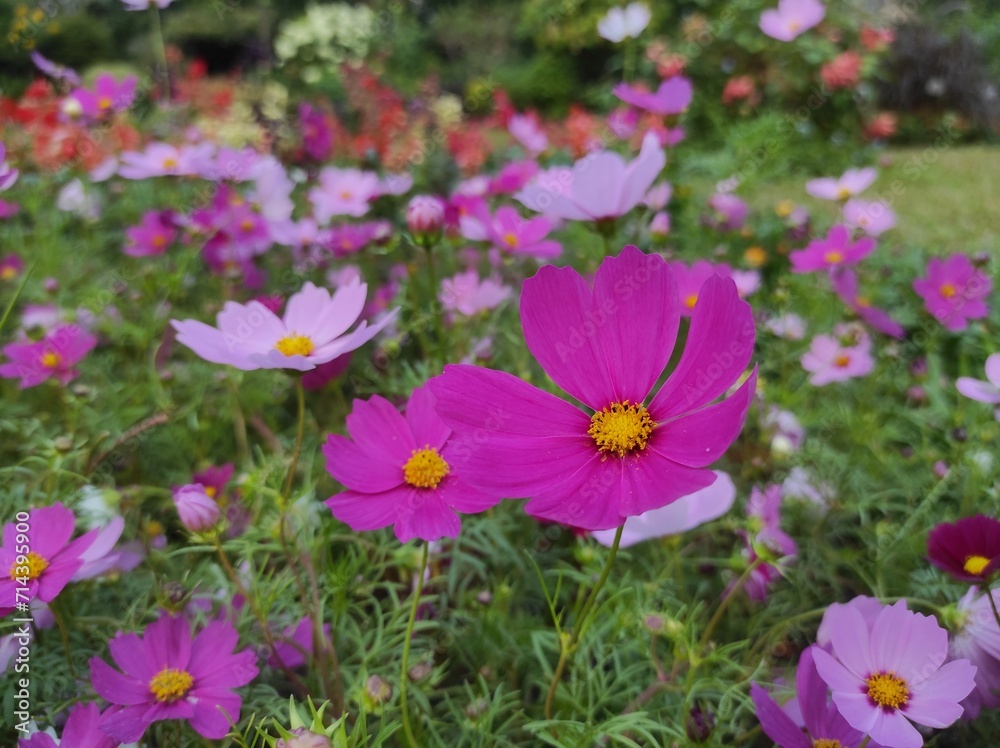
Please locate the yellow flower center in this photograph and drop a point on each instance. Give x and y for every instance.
(841, 361)
(755, 256)
(170, 685)
(51, 360)
(843, 193)
(295, 345)
(246, 225)
(8, 272)
(170, 162)
(159, 240)
(346, 195)
(510, 240)
(621, 428)
(888, 691)
(104, 103)
(948, 290)
(833, 257)
(824, 743)
(974, 565)
(784, 208)
(691, 300)
(425, 468)
(36, 565)
(794, 25)
(210, 491)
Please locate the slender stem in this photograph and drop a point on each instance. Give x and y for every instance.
(404, 675)
(866, 741)
(569, 644)
(300, 431)
(705, 637)
(993, 603)
(324, 647)
(435, 305)
(64, 635)
(161, 43)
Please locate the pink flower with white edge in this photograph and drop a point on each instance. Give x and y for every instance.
(52, 357)
(851, 183)
(894, 673)
(954, 291)
(343, 192)
(791, 18)
(398, 471)
(839, 357)
(873, 217)
(834, 250)
(984, 392)
(312, 331)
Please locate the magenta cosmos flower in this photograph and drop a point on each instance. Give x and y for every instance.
(107, 97)
(607, 347)
(37, 558)
(791, 18)
(984, 392)
(969, 549)
(154, 234)
(600, 186)
(168, 675)
(835, 250)
(894, 673)
(399, 471)
(835, 358)
(672, 97)
(845, 285)
(80, 731)
(824, 726)
(953, 291)
(852, 182)
(509, 232)
(52, 357)
(690, 280)
(311, 332)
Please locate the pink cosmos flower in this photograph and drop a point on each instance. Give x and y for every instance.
(51, 357)
(984, 392)
(400, 471)
(729, 212)
(658, 196)
(197, 510)
(764, 515)
(843, 71)
(852, 182)
(295, 645)
(317, 137)
(839, 357)
(515, 235)
(425, 215)
(153, 236)
(145, 4)
(659, 225)
(343, 192)
(168, 674)
(54, 70)
(954, 291)
(834, 250)
(607, 347)
(101, 556)
(823, 724)
(867, 607)
(895, 672)
(163, 159)
(619, 24)
(672, 97)
(687, 513)
(311, 332)
(41, 561)
(691, 280)
(873, 217)
(792, 18)
(976, 638)
(512, 177)
(466, 294)
(599, 186)
(525, 130)
(8, 175)
(107, 97)
(11, 266)
(845, 285)
(82, 730)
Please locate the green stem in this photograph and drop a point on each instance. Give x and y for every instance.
(64, 635)
(720, 611)
(435, 304)
(404, 675)
(865, 741)
(300, 431)
(568, 645)
(162, 49)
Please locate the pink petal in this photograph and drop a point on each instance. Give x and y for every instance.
(598, 180)
(128, 653)
(115, 687)
(850, 639)
(427, 427)
(976, 389)
(125, 725)
(907, 643)
(993, 369)
(892, 729)
(216, 710)
(777, 725)
(425, 516)
(168, 642)
(462, 497)
(358, 469)
(378, 428)
(935, 701)
(368, 511)
(337, 314)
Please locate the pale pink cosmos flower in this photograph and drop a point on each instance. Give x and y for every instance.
(976, 638)
(145, 4)
(836, 358)
(873, 217)
(789, 326)
(984, 392)
(312, 331)
(619, 24)
(672, 97)
(851, 183)
(163, 159)
(599, 186)
(525, 130)
(658, 196)
(466, 294)
(687, 513)
(954, 291)
(511, 233)
(832, 251)
(791, 18)
(343, 192)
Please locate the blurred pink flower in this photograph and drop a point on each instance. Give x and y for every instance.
(153, 236)
(52, 357)
(343, 192)
(954, 291)
(984, 392)
(845, 285)
(833, 251)
(466, 294)
(619, 24)
(197, 510)
(873, 217)
(792, 18)
(836, 358)
(852, 182)
(525, 130)
(672, 97)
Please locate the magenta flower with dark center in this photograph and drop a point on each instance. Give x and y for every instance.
(954, 291)
(894, 673)
(399, 471)
(607, 346)
(969, 549)
(168, 674)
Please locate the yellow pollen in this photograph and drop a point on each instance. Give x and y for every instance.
(246, 225)
(948, 290)
(843, 193)
(841, 361)
(104, 103)
(784, 208)
(295, 345)
(794, 25)
(170, 685)
(8, 272)
(510, 240)
(833, 257)
(170, 162)
(210, 491)
(425, 468)
(824, 743)
(51, 360)
(346, 195)
(755, 256)
(888, 691)
(159, 240)
(974, 565)
(621, 428)
(36, 565)
(691, 300)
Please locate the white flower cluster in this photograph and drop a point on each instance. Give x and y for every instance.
(325, 36)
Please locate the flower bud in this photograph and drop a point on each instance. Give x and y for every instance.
(303, 738)
(660, 225)
(425, 218)
(197, 510)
